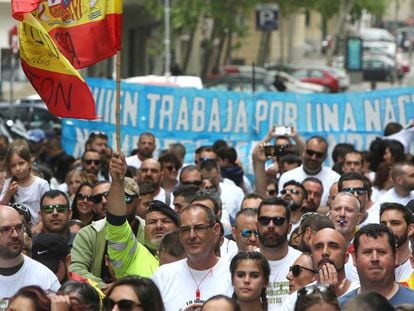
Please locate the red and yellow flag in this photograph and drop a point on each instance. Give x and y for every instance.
(56, 36)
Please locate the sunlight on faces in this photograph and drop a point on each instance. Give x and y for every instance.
(56, 222)
(312, 163)
(248, 280)
(245, 222)
(273, 236)
(100, 208)
(355, 183)
(85, 206)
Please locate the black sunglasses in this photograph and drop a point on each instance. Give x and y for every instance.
(312, 153)
(359, 190)
(97, 198)
(292, 191)
(89, 161)
(49, 208)
(123, 304)
(197, 183)
(271, 191)
(86, 197)
(297, 270)
(265, 221)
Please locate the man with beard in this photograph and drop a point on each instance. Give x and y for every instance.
(313, 158)
(295, 194)
(314, 191)
(375, 257)
(273, 227)
(91, 164)
(55, 214)
(145, 149)
(398, 218)
(150, 171)
(16, 269)
(329, 256)
(99, 196)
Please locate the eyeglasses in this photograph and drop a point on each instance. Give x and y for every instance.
(246, 233)
(312, 153)
(359, 190)
(123, 304)
(97, 198)
(297, 270)
(129, 198)
(197, 183)
(86, 197)
(89, 161)
(8, 230)
(60, 208)
(292, 191)
(198, 229)
(265, 221)
(316, 288)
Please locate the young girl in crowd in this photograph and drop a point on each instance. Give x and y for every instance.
(73, 180)
(250, 276)
(22, 186)
(317, 297)
(82, 206)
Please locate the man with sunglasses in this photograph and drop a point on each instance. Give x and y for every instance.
(313, 157)
(89, 251)
(273, 227)
(245, 231)
(55, 214)
(296, 195)
(191, 175)
(91, 164)
(16, 269)
(170, 166)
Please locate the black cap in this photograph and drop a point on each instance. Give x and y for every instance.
(158, 206)
(49, 249)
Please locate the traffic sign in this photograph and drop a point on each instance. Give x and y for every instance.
(267, 16)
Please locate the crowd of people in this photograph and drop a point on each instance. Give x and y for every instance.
(137, 232)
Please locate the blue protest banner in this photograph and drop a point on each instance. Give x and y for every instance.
(199, 117)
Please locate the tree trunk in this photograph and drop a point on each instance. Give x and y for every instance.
(189, 49)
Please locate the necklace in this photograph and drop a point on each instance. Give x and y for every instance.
(198, 284)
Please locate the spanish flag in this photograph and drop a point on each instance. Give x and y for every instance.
(56, 36)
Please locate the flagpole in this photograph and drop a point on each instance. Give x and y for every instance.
(118, 102)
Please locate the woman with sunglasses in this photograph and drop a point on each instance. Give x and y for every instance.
(318, 297)
(301, 273)
(250, 277)
(82, 206)
(133, 293)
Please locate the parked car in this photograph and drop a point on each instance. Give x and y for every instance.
(319, 76)
(29, 113)
(239, 83)
(294, 85)
(339, 73)
(377, 34)
(379, 68)
(173, 81)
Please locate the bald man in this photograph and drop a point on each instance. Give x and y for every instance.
(16, 269)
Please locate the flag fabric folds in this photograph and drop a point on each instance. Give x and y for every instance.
(57, 36)
(61, 87)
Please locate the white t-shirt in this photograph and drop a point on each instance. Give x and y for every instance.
(290, 301)
(133, 161)
(177, 283)
(403, 271)
(231, 197)
(376, 194)
(31, 273)
(327, 176)
(29, 196)
(228, 249)
(392, 196)
(278, 288)
(351, 272)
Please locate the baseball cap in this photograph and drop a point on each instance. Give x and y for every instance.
(49, 249)
(130, 186)
(158, 206)
(36, 136)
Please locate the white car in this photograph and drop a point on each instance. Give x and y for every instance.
(174, 81)
(294, 85)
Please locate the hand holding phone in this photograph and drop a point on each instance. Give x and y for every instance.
(282, 130)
